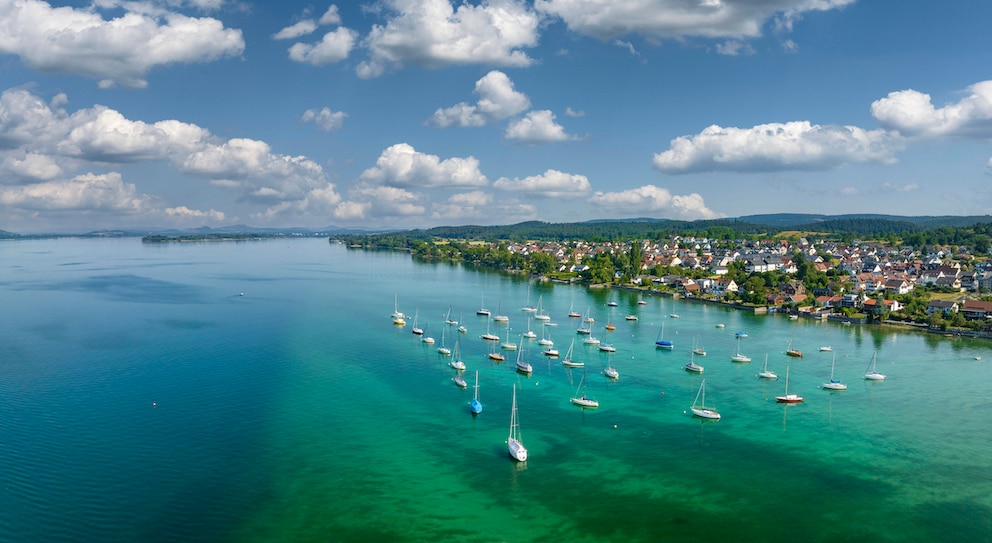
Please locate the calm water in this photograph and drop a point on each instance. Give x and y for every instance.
(143, 398)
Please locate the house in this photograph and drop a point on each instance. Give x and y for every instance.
(899, 286)
(891, 305)
(944, 306)
(975, 309)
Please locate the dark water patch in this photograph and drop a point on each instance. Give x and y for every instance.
(72, 264)
(52, 331)
(134, 288)
(957, 521)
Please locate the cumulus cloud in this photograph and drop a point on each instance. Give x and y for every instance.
(382, 201)
(32, 167)
(184, 212)
(433, 34)
(497, 100)
(608, 19)
(102, 134)
(482, 207)
(120, 51)
(795, 145)
(333, 47)
(88, 192)
(552, 183)
(537, 127)
(650, 199)
(324, 118)
(301, 28)
(27, 119)
(912, 113)
(401, 165)
(569, 112)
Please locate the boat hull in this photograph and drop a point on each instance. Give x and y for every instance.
(705, 413)
(517, 450)
(585, 402)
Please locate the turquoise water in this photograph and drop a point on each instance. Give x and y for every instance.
(143, 398)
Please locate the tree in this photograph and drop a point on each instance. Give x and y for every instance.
(542, 263)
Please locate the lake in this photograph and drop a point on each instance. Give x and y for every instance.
(258, 391)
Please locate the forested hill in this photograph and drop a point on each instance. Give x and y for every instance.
(602, 230)
(794, 221)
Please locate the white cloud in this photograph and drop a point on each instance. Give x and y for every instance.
(389, 201)
(103, 134)
(301, 28)
(790, 46)
(331, 16)
(401, 165)
(333, 47)
(552, 183)
(184, 212)
(433, 34)
(676, 19)
(88, 192)
(891, 187)
(569, 112)
(251, 167)
(119, 51)
(653, 200)
(913, 114)
(734, 48)
(32, 166)
(537, 127)
(350, 211)
(628, 46)
(795, 145)
(25, 119)
(325, 118)
(497, 100)
(850, 191)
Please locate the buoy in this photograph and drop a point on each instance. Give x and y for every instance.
(614, 425)
(154, 404)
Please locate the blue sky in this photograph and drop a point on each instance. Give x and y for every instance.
(403, 113)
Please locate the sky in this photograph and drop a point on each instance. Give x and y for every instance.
(165, 114)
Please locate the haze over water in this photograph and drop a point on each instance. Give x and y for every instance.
(144, 398)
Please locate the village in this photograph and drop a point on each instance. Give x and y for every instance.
(941, 288)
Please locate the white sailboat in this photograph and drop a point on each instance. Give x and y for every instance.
(568, 362)
(542, 315)
(607, 348)
(572, 313)
(610, 371)
(692, 366)
(507, 344)
(590, 340)
(834, 384)
(583, 400)
(545, 341)
(788, 398)
(584, 327)
(448, 320)
(698, 350)
(699, 409)
(499, 317)
(494, 354)
(416, 330)
(482, 308)
(443, 350)
(427, 336)
(476, 405)
(738, 357)
(529, 334)
(870, 373)
(489, 336)
(528, 308)
(461, 327)
(456, 360)
(513, 443)
(522, 365)
(764, 373)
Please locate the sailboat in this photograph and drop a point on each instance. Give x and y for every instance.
(461, 327)
(834, 384)
(607, 348)
(509, 345)
(590, 340)
(427, 336)
(568, 362)
(456, 361)
(870, 373)
(698, 350)
(788, 398)
(529, 334)
(542, 315)
(482, 308)
(545, 342)
(498, 317)
(417, 331)
(442, 350)
(528, 308)
(399, 319)
(489, 336)
(738, 357)
(661, 342)
(692, 365)
(793, 351)
(572, 313)
(495, 355)
(609, 321)
(584, 328)
(764, 373)
(522, 365)
(699, 409)
(459, 381)
(513, 443)
(583, 400)
(448, 320)
(476, 405)
(610, 371)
